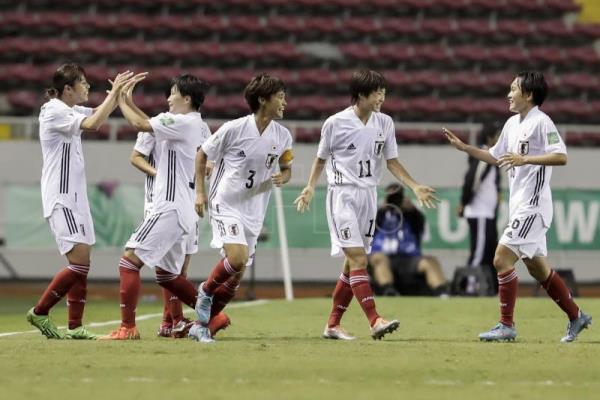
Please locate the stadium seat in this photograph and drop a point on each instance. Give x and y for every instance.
(24, 102)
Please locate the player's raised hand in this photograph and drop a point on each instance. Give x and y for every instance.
(454, 140)
(302, 202)
(511, 160)
(119, 81)
(201, 204)
(425, 196)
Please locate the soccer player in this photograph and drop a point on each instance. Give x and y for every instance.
(529, 146)
(357, 141)
(145, 157)
(160, 242)
(64, 192)
(252, 154)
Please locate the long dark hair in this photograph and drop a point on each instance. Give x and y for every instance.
(66, 74)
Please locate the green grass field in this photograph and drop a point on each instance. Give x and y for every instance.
(273, 350)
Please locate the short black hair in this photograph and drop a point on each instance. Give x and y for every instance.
(189, 85)
(534, 82)
(262, 85)
(67, 74)
(365, 82)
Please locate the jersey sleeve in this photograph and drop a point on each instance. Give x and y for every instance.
(390, 149)
(87, 111)
(501, 146)
(325, 143)
(214, 146)
(287, 156)
(168, 126)
(553, 143)
(144, 143)
(67, 122)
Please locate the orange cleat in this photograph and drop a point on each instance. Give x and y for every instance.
(123, 333)
(218, 322)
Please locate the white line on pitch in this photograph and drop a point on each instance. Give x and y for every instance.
(143, 317)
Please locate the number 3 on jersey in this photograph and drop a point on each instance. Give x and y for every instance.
(250, 182)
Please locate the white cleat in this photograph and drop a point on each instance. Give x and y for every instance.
(337, 332)
(200, 334)
(383, 327)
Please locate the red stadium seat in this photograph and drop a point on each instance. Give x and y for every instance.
(24, 102)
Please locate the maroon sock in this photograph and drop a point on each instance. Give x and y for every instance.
(56, 290)
(178, 285)
(224, 294)
(342, 296)
(558, 291)
(508, 283)
(361, 288)
(129, 291)
(76, 297)
(219, 274)
(167, 319)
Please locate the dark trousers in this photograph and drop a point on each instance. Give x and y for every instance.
(484, 239)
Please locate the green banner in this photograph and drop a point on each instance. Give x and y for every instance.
(117, 211)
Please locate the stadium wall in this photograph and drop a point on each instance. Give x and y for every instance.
(439, 166)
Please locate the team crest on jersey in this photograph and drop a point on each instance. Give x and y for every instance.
(234, 230)
(523, 147)
(379, 147)
(166, 121)
(345, 233)
(270, 159)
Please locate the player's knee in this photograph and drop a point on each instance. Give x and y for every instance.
(499, 263)
(358, 262)
(238, 261)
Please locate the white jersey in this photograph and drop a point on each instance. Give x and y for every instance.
(244, 162)
(147, 145)
(356, 150)
(63, 174)
(174, 188)
(529, 185)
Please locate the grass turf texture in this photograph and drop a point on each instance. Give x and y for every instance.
(274, 351)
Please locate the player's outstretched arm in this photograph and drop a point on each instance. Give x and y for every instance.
(131, 112)
(101, 113)
(201, 200)
(473, 151)
(139, 161)
(302, 202)
(516, 160)
(423, 193)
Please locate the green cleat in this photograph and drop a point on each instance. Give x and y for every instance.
(80, 333)
(45, 325)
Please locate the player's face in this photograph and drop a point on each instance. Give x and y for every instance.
(80, 90)
(275, 106)
(517, 101)
(374, 101)
(177, 103)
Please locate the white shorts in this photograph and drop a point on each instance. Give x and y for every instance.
(230, 230)
(160, 241)
(191, 243)
(71, 227)
(351, 215)
(526, 236)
